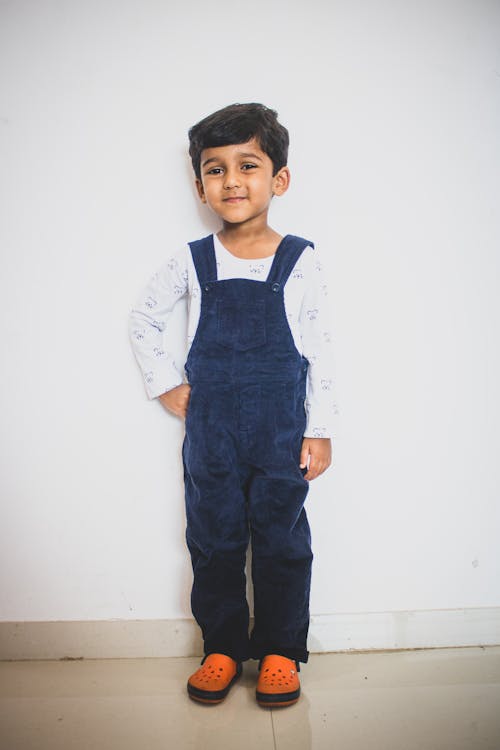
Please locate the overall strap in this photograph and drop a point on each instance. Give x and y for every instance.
(203, 253)
(289, 251)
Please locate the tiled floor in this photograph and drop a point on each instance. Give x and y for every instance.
(445, 699)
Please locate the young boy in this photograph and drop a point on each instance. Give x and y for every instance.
(257, 404)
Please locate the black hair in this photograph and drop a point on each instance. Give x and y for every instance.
(238, 123)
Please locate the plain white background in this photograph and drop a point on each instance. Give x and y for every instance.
(394, 114)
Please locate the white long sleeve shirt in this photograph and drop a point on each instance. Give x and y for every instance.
(305, 296)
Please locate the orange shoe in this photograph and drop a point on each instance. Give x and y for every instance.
(278, 683)
(212, 681)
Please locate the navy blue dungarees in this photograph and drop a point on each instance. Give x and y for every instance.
(244, 428)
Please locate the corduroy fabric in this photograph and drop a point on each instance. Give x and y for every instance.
(244, 429)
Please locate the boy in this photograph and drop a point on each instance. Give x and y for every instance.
(257, 343)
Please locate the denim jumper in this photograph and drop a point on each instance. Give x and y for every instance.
(244, 429)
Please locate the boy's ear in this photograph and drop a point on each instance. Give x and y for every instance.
(200, 190)
(281, 181)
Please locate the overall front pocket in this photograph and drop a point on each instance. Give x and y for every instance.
(241, 327)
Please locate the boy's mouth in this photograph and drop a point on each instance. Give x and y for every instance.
(234, 199)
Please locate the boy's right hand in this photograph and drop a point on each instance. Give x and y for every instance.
(176, 400)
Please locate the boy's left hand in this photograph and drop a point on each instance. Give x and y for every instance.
(318, 451)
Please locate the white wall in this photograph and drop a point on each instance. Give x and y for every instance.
(393, 110)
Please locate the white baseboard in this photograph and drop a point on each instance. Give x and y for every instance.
(434, 628)
(359, 631)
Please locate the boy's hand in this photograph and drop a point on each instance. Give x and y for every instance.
(176, 400)
(319, 453)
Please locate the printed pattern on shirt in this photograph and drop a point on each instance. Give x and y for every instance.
(305, 306)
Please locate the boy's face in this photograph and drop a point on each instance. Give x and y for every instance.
(237, 181)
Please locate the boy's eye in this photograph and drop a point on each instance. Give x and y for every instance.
(215, 170)
(248, 166)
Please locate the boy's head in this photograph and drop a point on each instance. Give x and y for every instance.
(239, 123)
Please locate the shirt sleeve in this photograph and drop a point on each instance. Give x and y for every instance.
(317, 347)
(148, 324)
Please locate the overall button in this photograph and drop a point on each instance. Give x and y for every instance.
(207, 288)
(275, 287)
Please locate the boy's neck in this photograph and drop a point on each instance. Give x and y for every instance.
(249, 241)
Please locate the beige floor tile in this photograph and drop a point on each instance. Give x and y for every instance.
(447, 699)
(135, 704)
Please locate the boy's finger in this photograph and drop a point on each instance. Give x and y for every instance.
(304, 453)
(311, 472)
(316, 468)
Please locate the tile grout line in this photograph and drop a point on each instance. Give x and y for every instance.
(272, 727)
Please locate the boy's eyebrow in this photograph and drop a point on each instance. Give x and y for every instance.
(251, 155)
(243, 155)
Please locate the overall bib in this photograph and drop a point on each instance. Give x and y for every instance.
(244, 428)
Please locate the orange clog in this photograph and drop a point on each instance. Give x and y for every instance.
(212, 681)
(279, 683)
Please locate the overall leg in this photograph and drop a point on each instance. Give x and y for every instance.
(281, 539)
(281, 567)
(217, 525)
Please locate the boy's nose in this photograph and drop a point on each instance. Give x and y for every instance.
(231, 180)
